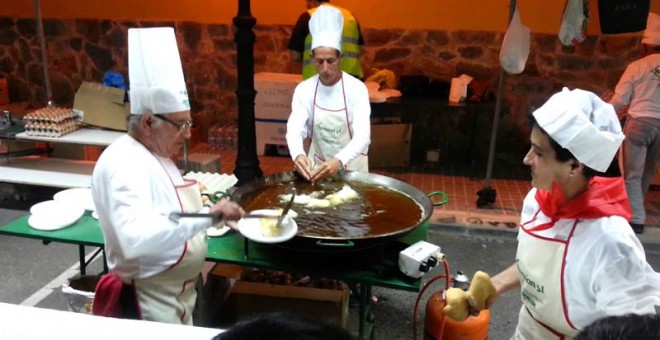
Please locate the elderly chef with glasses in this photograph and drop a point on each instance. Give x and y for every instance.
(154, 259)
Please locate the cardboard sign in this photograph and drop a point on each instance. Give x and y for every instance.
(274, 94)
(102, 106)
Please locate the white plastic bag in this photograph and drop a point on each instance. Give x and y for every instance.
(573, 23)
(79, 294)
(515, 47)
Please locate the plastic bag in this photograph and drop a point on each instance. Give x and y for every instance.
(574, 23)
(623, 16)
(384, 77)
(79, 294)
(515, 47)
(114, 79)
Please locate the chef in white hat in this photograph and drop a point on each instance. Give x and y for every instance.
(331, 108)
(577, 259)
(639, 91)
(153, 257)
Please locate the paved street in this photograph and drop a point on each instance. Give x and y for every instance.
(32, 274)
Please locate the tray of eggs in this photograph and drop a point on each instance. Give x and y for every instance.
(50, 122)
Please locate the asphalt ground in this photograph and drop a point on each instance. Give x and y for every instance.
(33, 273)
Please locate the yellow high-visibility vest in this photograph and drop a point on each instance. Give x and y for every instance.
(350, 60)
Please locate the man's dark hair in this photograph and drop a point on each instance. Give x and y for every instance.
(629, 326)
(283, 326)
(561, 154)
(337, 53)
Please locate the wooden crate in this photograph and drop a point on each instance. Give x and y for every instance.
(250, 299)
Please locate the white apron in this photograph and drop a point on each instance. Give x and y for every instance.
(331, 132)
(541, 262)
(170, 296)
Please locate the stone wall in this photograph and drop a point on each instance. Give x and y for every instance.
(83, 50)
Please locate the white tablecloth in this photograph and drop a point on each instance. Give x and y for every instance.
(26, 323)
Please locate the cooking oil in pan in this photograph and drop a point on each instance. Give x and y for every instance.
(377, 210)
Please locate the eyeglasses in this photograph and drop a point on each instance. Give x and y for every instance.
(183, 127)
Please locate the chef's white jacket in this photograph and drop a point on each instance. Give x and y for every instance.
(134, 196)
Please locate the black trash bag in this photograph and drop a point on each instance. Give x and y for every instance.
(623, 16)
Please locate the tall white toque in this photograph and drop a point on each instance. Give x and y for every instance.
(584, 124)
(326, 27)
(155, 73)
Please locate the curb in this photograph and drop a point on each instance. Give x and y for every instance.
(472, 230)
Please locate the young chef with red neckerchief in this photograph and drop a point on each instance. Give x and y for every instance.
(578, 260)
(331, 108)
(154, 259)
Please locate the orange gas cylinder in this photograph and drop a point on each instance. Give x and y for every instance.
(437, 327)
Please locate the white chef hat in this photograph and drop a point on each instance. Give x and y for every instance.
(652, 32)
(154, 70)
(326, 27)
(584, 124)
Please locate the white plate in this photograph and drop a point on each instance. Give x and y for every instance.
(81, 197)
(53, 215)
(44, 207)
(249, 227)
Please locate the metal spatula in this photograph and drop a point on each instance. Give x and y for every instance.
(286, 209)
(177, 215)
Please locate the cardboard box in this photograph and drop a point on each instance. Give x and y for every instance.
(390, 145)
(274, 94)
(269, 133)
(102, 106)
(255, 298)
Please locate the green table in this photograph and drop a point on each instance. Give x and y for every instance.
(379, 269)
(85, 232)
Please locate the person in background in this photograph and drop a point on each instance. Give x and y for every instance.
(577, 259)
(154, 257)
(301, 41)
(331, 108)
(622, 327)
(283, 326)
(639, 90)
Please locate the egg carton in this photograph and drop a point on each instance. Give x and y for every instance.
(41, 129)
(50, 115)
(214, 182)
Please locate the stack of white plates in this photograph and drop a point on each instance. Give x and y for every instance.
(53, 215)
(79, 197)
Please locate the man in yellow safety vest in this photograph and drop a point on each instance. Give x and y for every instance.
(301, 41)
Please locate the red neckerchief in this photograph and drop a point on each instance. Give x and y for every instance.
(604, 197)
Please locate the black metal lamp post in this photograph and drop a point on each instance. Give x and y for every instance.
(247, 162)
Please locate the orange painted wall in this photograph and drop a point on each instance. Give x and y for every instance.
(542, 16)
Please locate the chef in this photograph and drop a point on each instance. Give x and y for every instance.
(331, 108)
(639, 91)
(577, 259)
(154, 257)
